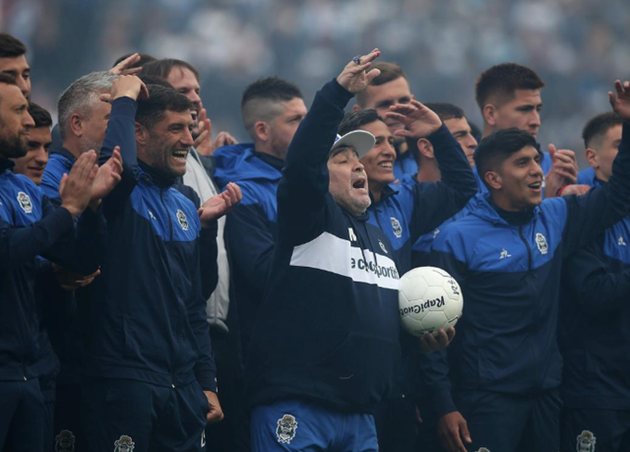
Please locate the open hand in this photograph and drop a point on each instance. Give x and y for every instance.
(354, 78)
(620, 99)
(219, 205)
(108, 175)
(75, 189)
(419, 120)
(124, 67)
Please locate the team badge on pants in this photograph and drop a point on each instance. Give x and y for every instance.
(124, 444)
(586, 442)
(287, 426)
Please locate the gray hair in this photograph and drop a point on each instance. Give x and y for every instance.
(81, 96)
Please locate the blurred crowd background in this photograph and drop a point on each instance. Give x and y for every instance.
(577, 46)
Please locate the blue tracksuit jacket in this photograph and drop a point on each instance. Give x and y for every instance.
(594, 318)
(149, 320)
(415, 208)
(31, 226)
(510, 278)
(251, 225)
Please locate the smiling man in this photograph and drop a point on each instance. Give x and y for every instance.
(404, 215)
(150, 349)
(32, 165)
(507, 255)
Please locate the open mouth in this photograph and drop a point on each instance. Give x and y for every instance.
(180, 154)
(536, 185)
(360, 183)
(387, 165)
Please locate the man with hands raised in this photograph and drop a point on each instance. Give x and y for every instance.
(31, 226)
(151, 373)
(507, 256)
(325, 346)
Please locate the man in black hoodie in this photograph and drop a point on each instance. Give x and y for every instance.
(324, 349)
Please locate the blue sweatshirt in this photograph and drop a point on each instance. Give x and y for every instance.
(594, 319)
(251, 225)
(31, 226)
(149, 320)
(509, 271)
(417, 208)
(327, 330)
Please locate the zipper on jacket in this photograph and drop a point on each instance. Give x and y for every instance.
(529, 250)
(168, 214)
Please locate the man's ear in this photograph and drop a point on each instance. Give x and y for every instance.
(142, 134)
(592, 157)
(262, 131)
(490, 114)
(493, 179)
(425, 148)
(76, 125)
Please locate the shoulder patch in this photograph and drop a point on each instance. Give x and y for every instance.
(25, 202)
(396, 227)
(541, 243)
(181, 218)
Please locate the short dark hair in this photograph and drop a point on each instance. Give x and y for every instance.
(503, 80)
(271, 88)
(356, 119)
(145, 58)
(162, 68)
(154, 80)
(389, 72)
(152, 110)
(261, 101)
(596, 128)
(498, 147)
(445, 110)
(40, 115)
(11, 47)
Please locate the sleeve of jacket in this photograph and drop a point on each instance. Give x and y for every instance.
(434, 205)
(303, 189)
(601, 207)
(594, 283)
(434, 367)
(83, 251)
(121, 132)
(53, 237)
(205, 368)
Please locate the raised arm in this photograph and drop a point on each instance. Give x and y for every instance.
(304, 184)
(603, 206)
(126, 89)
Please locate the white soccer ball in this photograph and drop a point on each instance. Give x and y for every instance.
(429, 299)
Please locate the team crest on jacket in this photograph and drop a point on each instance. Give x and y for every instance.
(541, 243)
(183, 221)
(396, 227)
(287, 426)
(64, 441)
(124, 444)
(586, 442)
(25, 202)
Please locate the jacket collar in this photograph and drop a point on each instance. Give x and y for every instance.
(6, 164)
(154, 176)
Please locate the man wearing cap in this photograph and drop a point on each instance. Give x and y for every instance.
(325, 346)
